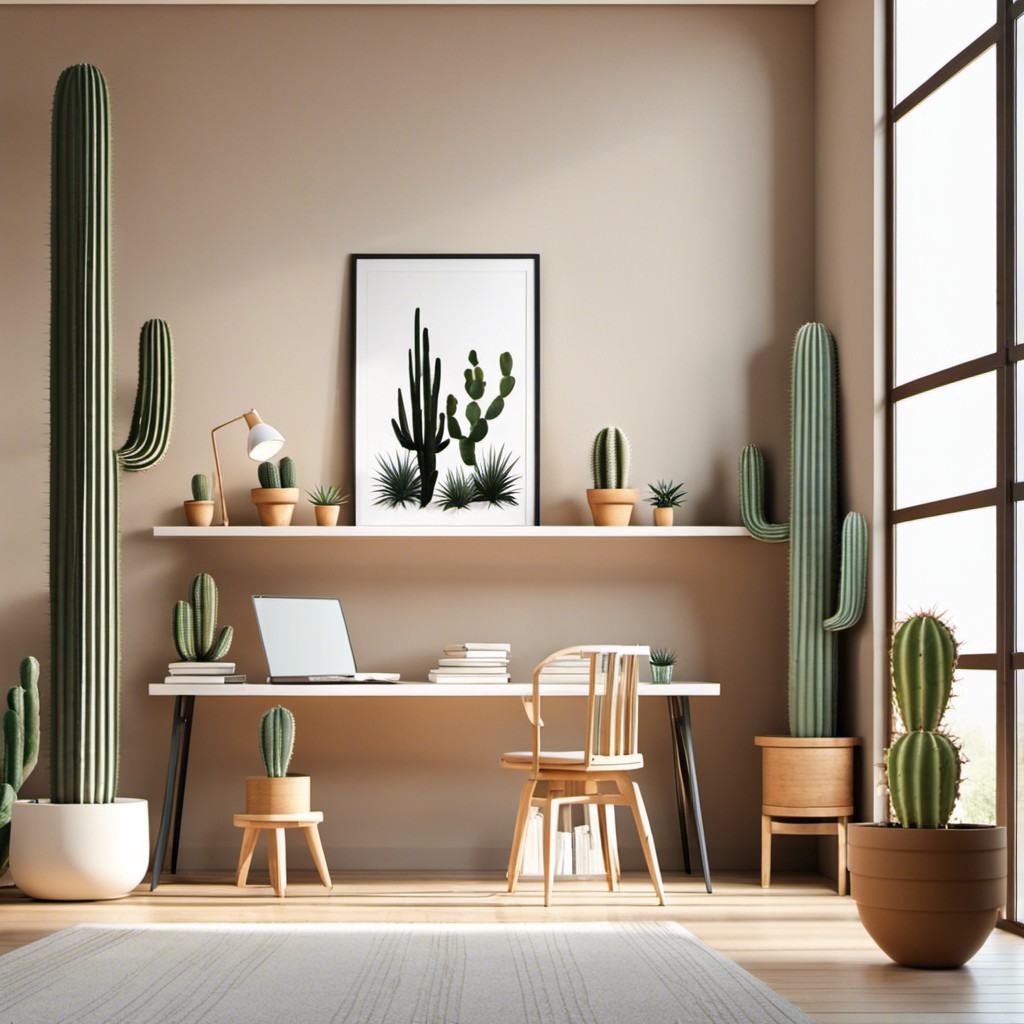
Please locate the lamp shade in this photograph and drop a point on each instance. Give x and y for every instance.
(264, 442)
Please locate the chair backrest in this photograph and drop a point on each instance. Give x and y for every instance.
(611, 717)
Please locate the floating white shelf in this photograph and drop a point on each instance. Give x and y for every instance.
(323, 532)
(414, 689)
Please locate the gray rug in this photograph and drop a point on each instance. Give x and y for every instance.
(642, 973)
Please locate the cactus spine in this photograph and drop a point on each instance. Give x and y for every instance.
(812, 533)
(20, 746)
(477, 422)
(923, 765)
(277, 737)
(423, 438)
(609, 459)
(85, 579)
(194, 626)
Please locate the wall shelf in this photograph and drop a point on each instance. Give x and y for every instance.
(324, 532)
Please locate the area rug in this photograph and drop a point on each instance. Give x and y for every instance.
(605, 973)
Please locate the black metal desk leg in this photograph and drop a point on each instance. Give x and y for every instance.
(681, 789)
(182, 716)
(179, 809)
(685, 732)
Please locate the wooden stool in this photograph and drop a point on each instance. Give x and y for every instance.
(771, 826)
(275, 824)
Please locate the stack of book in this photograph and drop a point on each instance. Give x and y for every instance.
(212, 672)
(472, 663)
(566, 670)
(577, 852)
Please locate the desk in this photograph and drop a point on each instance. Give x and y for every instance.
(677, 694)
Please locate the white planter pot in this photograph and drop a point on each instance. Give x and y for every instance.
(79, 851)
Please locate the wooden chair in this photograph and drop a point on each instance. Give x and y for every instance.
(572, 777)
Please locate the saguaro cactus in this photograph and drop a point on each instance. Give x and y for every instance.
(277, 737)
(20, 746)
(812, 532)
(423, 437)
(195, 624)
(923, 765)
(85, 584)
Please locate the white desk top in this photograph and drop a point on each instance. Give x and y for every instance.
(414, 690)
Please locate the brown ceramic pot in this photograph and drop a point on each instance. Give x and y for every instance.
(326, 515)
(664, 516)
(807, 777)
(198, 513)
(928, 896)
(286, 795)
(612, 506)
(275, 504)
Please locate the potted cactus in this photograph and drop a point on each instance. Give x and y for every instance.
(666, 497)
(199, 511)
(85, 842)
(278, 494)
(611, 499)
(926, 891)
(809, 774)
(195, 624)
(277, 792)
(327, 502)
(662, 660)
(20, 750)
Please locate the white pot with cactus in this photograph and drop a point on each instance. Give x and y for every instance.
(327, 501)
(278, 494)
(611, 500)
(199, 511)
(662, 661)
(666, 497)
(277, 792)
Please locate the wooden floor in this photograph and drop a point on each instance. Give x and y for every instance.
(798, 936)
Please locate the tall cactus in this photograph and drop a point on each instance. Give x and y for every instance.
(609, 459)
(423, 437)
(85, 582)
(812, 532)
(277, 737)
(923, 765)
(20, 746)
(195, 625)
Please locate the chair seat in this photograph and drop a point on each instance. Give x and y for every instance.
(569, 760)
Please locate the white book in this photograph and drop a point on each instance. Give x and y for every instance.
(478, 647)
(451, 652)
(438, 677)
(206, 680)
(470, 670)
(563, 853)
(472, 662)
(195, 668)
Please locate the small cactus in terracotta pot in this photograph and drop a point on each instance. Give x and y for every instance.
(611, 499)
(278, 494)
(199, 511)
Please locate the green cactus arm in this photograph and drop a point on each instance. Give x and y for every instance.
(223, 644)
(183, 631)
(268, 474)
(752, 498)
(289, 475)
(150, 432)
(7, 798)
(204, 607)
(853, 574)
(30, 686)
(14, 740)
(923, 658)
(923, 771)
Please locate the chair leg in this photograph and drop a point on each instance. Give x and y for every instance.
(604, 823)
(766, 851)
(636, 802)
(249, 838)
(841, 840)
(276, 860)
(317, 850)
(515, 860)
(550, 835)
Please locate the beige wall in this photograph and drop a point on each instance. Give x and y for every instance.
(661, 161)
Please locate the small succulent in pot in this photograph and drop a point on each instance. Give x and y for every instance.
(666, 497)
(327, 501)
(662, 660)
(199, 511)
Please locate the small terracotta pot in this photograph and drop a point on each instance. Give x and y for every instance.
(664, 516)
(928, 896)
(807, 777)
(275, 504)
(612, 506)
(326, 515)
(286, 795)
(198, 513)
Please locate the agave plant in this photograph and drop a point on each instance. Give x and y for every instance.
(327, 495)
(665, 494)
(662, 656)
(457, 491)
(398, 481)
(494, 479)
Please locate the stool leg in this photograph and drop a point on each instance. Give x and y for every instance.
(249, 838)
(766, 851)
(276, 860)
(841, 840)
(316, 848)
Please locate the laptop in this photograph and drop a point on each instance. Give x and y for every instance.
(305, 640)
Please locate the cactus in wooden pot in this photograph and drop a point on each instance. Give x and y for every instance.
(85, 580)
(611, 499)
(277, 792)
(20, 748)
(278, 493)
(817, 608)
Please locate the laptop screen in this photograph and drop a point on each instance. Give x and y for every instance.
(304, 636)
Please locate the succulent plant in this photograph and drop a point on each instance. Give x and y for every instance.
(662, 656)
(609, 459)
(398, 481)
(20, 747)
(666, 495)
(327, 495)
(426, 435)
(195, 625)
(277, 738)
(494, 480)
(201, 487)
(85, 539)
(813, 558)
(477, 421)
(923, 764)
(457, 491)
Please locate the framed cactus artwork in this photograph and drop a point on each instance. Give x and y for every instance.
(446, 390)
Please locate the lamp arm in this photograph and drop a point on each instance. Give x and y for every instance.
(225, 521)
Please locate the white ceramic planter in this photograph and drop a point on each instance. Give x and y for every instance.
(79, 851)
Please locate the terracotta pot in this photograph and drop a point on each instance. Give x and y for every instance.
(664, 516)
(286, 795)
(928, 896)
(275, 504)
(612, 506)
(807, 777)
(326, 515)
(198, 513)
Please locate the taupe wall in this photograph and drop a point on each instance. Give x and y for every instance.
(661, 160)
